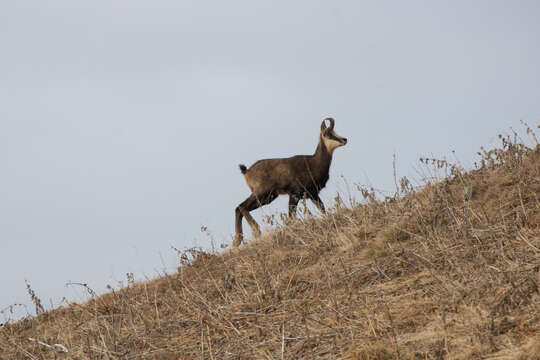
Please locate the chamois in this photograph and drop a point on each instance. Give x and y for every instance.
(298, 176)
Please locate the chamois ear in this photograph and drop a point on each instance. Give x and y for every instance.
(324, 129)
(331, 120)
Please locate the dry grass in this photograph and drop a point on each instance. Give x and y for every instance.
(449, 271)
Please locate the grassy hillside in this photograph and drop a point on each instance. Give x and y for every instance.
(451, 270)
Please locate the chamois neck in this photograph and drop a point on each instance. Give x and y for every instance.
(322, 154)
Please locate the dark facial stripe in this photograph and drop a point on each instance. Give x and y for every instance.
(331, 135)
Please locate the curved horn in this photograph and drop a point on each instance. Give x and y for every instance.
(331, 122)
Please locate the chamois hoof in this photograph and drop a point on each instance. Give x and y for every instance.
(257, 233)
(237, 241)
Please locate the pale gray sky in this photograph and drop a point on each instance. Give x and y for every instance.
(122, 122)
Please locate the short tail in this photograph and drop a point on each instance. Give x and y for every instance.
(243, 168)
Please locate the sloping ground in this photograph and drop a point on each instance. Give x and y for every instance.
(450, 271)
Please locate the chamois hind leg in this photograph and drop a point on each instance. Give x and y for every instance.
(251, 203)
(261, 200)
(238, 232)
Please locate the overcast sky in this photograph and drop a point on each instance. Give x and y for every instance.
(122, 123)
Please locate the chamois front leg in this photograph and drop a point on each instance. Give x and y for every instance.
(318, 202)
(293, 203)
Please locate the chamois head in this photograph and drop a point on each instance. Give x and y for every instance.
(329, 137)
